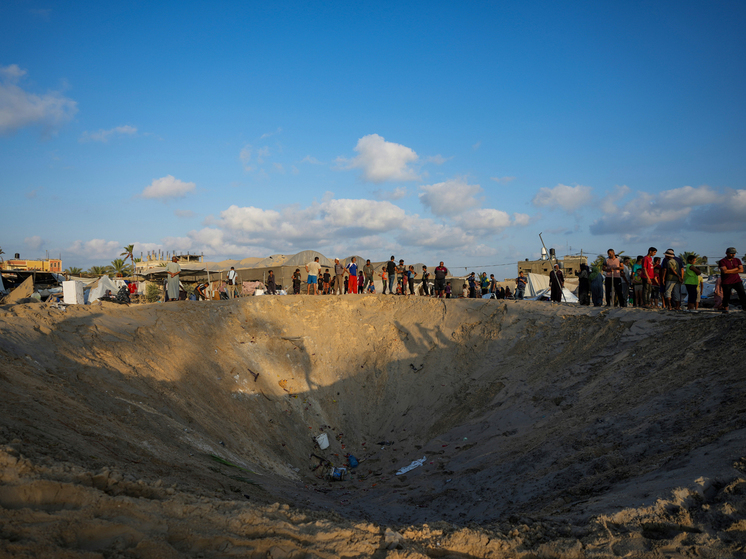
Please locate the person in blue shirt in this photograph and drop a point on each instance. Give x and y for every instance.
(352, 282)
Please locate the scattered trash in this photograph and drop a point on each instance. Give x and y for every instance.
(415, 369)
(352, 462)
(385, 443)
(412, 466)
(255, 375)
(337, 474)
(323, 441)
(284, 385)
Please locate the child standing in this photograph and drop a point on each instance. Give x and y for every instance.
(448, 290)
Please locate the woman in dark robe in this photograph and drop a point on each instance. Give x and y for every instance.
(597, 286)
(556, 282)
(584, 285)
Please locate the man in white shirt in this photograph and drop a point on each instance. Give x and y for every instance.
(232, 280)
(313, 269)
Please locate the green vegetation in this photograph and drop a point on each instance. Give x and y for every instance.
(152, 293)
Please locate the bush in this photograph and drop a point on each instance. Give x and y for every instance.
(152, 293)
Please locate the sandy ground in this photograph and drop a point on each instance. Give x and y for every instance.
(548, 431)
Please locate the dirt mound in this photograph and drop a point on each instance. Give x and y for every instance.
(549, 430)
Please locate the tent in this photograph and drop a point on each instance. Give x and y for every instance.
(104, 283)
(537, 283)
(545, 295)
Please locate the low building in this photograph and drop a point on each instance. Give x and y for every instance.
(159, 259)
(569, 265)
(47, 265)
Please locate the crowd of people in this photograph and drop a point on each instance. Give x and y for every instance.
(655, 282)
(651, 282)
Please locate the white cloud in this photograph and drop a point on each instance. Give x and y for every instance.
(279, 168)
(428, 233)
(485, 219)
(687, 196)
(397, 194)
(476, 146)
(521, 220)
(96, 249)
(382, 161)
(184, 213)
(20, 108)
(168, 187)
(679, 209)
(33, 243)
(370, 215)
(103, 135)
(249, 219)
(569, 198)
(608, 203)
(502, 179)
(450, 197)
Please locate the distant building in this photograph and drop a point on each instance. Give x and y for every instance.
(46, 265)
(158, 259)
(569, 264)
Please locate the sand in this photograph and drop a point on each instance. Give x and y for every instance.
(547, 430)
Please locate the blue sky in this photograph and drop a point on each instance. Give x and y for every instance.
(432, 131)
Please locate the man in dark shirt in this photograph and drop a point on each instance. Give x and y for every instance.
(730, 268)
(391, 271)
(520, 285)
(440, 280)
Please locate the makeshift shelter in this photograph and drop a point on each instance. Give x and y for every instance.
(104, 284)
(546, 295)
(537, 283)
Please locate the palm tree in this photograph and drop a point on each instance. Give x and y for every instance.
(73, 271)
(119, 266)
(685, 255)
(128, 254)
(97, 270)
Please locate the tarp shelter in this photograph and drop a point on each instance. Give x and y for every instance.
(104, 283)
(546, 295)
(537, 283)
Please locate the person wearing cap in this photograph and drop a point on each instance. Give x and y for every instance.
(674, 279)
(730, 267)
(391, 271)
(339, 273)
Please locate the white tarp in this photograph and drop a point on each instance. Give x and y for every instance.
(546, 295)
(104, 284)
(536, 284)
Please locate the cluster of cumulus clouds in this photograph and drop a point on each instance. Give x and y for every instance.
(453, 218)
(453, 213)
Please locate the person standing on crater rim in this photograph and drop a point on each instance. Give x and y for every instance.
(313, 269)
(352, 269)
(391, 271)
(339, 277)
(440, 280)
(172, 284)
(556, 282)
(730, 267)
